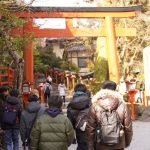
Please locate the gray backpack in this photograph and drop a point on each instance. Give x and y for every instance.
(108, 131)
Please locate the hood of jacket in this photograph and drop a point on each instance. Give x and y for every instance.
(12, 100)
(79, 101)
(61, 85)
(33, 107)
(107, 99)
(53, 112)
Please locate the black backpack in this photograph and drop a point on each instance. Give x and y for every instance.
(108, 130)
(81, 119)
(10, 114)
(47, 90)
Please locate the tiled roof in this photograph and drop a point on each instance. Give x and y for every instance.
(80, 47)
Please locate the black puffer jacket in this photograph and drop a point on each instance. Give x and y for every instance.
(2, 101)
(80, 102)
(11, 100)
(27, 118)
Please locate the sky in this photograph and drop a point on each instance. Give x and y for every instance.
(55, 23)
(58, 3)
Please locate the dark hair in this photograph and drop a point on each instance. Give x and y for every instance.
(14, 92)
(3, 89)
(33, 98)
(80, 87)
(55, 101)
(62, 82)
(108, 84)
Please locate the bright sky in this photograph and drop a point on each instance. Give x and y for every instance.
(55, 23)
(58, 3)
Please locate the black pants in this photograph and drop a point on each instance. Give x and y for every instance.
(63, 97)
(46, 97)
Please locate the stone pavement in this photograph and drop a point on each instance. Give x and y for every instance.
(141, 137)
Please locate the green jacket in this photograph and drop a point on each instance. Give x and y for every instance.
(51, 133)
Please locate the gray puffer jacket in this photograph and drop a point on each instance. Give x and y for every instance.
(27, 118)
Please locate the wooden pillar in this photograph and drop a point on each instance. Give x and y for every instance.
(132, 98)
(8, 74)
(28, 54)
(112, 50)
(56, 76)
(67, 75)
(51, 72)
(73, 77)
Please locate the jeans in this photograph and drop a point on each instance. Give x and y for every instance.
(12, 139)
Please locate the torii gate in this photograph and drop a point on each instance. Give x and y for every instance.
(108, 30)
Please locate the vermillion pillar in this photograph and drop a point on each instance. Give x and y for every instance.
(28, 53)
(112, 50)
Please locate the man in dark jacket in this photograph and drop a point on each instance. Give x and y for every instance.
(4, 91)
(53, 130)
(11, 130)
(28, 117)
(79, 103)
(109, 99)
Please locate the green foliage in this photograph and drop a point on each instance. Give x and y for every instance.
(7, 41)
(100, 74)
(48, 59)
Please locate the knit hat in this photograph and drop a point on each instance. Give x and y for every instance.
(33, 98)
(108, 84)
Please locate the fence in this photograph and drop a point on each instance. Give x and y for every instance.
(6, 76)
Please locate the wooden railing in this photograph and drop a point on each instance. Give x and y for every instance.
(6, 76)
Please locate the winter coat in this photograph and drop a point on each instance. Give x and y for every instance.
(52, 131)
(27, 118)
(2, 100)
(111, 100)
(79, 103)
(62, 89)
(11, 100)
(45, 86)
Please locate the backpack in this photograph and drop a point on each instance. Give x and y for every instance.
(81, 120)
(47, 90)
(10, 114)
(108, 130)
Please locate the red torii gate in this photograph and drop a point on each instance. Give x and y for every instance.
(108, 30)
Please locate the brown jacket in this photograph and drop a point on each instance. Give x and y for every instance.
(110, 100)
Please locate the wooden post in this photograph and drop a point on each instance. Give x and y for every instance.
(67, 74)
(112, 50)
(73, 76)
(28, 54)
(8, 75)
(132, 95)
